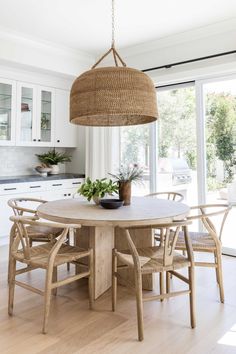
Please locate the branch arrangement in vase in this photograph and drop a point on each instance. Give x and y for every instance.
(97, 189)
(125, 176)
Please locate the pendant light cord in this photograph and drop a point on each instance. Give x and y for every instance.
(116, 56)
(113, 23)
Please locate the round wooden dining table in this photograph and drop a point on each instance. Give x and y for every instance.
(101, 229)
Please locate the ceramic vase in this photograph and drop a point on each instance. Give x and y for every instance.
(125, 192)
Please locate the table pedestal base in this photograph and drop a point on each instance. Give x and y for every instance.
(102, 240)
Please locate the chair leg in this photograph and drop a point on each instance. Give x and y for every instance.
(12, 236)
(215, 257)
(68, 243)
(47, 299)
(139, 304)
(91, 280)
(12, 275)
(220, 275)
(54, 280)
(192, 296)
(114, 280)
(167, 282)
(161, 280)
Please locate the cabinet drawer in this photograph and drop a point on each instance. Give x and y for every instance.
(13, 188)
(36, 186)
(66, 183)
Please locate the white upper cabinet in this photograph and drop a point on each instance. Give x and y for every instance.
(7, 112)
(65, 132)
(35, 115)
(46, 116)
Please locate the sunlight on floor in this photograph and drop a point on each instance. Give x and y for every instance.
(229, 338)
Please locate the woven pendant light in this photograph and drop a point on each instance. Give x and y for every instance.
(113, 96)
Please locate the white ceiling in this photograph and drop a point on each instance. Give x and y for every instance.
(86, 24)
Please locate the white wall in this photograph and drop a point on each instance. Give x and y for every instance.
(55, 66)
(17, 161)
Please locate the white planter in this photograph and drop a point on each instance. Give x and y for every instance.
(55, 169)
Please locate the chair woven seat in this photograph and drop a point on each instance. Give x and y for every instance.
(152, 259)
(201, 241)
(39, 255)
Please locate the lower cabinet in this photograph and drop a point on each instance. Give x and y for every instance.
(49, 191)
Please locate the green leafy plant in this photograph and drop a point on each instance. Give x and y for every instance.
(52, 157)
(98, 188)
(128, 174)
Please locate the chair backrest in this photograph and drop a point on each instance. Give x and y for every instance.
(206, 213)
(178, 197)
(171, 236)
(20, 206)
(22, 237)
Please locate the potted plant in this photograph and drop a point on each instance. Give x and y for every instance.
(97, 189)
(125, 176)
(52, 158)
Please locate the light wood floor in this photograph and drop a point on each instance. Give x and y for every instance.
(75, 329)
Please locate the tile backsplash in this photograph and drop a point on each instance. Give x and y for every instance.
(16, 161)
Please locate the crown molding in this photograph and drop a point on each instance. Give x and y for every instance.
(35, 43)
(180, 38)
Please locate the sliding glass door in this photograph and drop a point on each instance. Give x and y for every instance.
(176, 141)
(191, 148)
(220, 126)
(135, 151)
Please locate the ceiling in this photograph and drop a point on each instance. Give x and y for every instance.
(86, 24)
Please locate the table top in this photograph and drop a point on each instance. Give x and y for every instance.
(142, 211)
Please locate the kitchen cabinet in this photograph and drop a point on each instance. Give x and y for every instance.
(7, 112)
(35, 115)
(46, 190)
(65, 132)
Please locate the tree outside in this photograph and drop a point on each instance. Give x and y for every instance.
(177, 134)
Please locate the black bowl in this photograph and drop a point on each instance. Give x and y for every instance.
(111, 203)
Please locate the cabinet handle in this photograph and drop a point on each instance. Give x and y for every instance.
(34, 139)
(76, 182)
(35, 186)
(57, 184)
(65, 195)
(39, 139)
(9, 189)
(58, 141)
(69, 194)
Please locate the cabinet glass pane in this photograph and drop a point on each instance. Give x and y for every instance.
(26, 113)
(5, 111)
(46, 115)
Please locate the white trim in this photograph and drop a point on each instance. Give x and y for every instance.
(227, 251)
(153, 156)
(204, 32)
(201, 145)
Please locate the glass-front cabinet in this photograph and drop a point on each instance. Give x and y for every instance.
(35, 112)
(7, 112)
(45, 115)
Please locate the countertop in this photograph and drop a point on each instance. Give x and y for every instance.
(32, 178)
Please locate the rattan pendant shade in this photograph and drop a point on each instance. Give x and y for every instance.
(113, 96)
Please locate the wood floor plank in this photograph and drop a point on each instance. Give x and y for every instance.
(73, 328)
